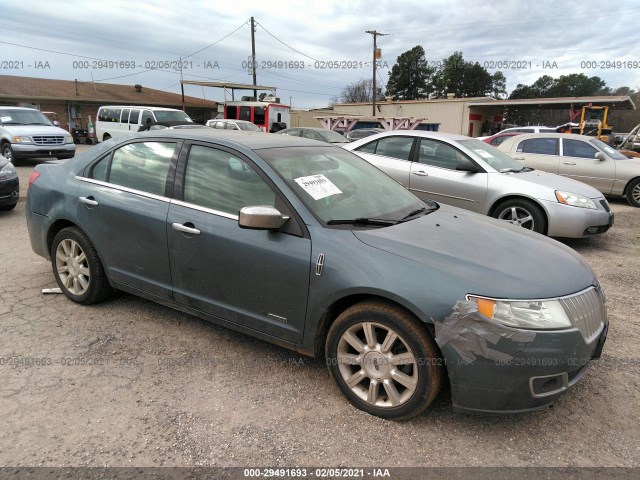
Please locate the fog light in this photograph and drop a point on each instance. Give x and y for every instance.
(592, 230)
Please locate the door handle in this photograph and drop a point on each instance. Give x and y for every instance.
(421, 173)
(568, 163)
(183, 228)
(518, 158)
(88, 201)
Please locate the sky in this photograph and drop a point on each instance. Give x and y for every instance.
(310, 50)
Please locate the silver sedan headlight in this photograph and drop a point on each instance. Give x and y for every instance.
(529, 314)
(575, 200)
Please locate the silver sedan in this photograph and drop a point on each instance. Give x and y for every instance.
(582, 158)
(470, 174)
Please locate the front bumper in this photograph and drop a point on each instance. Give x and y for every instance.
(576, 222)
(494, 369)
(26, 150)
(9, 191)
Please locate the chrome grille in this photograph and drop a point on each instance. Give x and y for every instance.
(587, 311)
(48, 139)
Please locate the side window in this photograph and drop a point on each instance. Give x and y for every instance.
(100, 170)
(310, 134)
(142, 166)
(245, 113)
(125, 115)
(576, 148)
(222, 181)
(542, 146)
(135, 116)
(439, 154)
(368, 148)
(396, 147)
(232, 126)
(259, 116)
(146, 114)
(109, 114)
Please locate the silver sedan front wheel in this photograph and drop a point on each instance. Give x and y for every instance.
(523, 213)
(384, 360)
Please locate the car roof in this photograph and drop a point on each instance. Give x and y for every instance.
(251, 140)
(523, 136)
(417, 133)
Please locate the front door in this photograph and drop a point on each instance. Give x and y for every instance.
(578, 162)
(255, 278)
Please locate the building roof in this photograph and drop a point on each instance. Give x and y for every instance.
(45, 89)
(560, 103)
(423, 100)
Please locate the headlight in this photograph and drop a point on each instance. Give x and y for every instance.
(530, 314)
(8, 171)
(21, 140)
(575, 200)
(68, 139)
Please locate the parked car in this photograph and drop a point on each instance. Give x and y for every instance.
(171, 125)
(27, 133)
(243, 125)
(470, 174)
(534, 129)
(498, 138)
(9, 185)
(321, 134)
(309, 246)
(582, 158)
(118, 120)
(358, 133)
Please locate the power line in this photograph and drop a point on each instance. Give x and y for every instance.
(217, 41)
(286, 45)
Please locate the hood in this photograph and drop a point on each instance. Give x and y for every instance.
(28, 130)
(556, 182)
(489, 257)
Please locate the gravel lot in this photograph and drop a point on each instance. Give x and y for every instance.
(132, 383)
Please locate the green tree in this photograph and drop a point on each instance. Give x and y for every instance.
(411, 78)
(467, 79)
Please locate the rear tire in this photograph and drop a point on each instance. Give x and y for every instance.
(633, 193)
(383, 360)
(77, 267)
(522, 212)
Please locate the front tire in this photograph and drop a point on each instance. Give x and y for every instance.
(522, 212)
(633, 193)
(7, 152)
(383, 360)
(77, 267)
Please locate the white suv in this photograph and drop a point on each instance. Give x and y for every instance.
(27, 133)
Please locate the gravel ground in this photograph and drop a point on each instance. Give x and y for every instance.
(132, 383)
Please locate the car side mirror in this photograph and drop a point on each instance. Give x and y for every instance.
(466, 166)
(261, 218)
(600, 156)
(56, 123)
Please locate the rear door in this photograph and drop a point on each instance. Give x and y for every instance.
(123, 205)
(542, 153)
(578, 162)
(254, 278)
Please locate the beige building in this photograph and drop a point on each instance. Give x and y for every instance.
(467, 116)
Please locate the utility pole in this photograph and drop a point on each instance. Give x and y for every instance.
(182, 85)
(253, 55)
(373, 96)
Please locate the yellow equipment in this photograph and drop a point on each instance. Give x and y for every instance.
(593, 122)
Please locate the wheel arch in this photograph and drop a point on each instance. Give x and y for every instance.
(337, 307)
(626, 187)
(506, 198)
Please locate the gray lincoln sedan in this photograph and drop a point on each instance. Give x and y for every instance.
(308, 246)
(470, 174)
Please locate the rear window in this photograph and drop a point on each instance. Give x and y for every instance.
(107, 114)
(541, 146)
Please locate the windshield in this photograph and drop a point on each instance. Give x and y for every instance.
(249, 127)
(171, 116)
(333, 137)
(23, 117)
(491, 155)
(337, 185)
(612, 152)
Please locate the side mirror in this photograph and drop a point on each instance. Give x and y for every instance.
(261, 218)
(466, 166)
(600, 156)
(56, 123)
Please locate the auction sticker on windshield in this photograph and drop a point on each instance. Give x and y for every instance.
(318, 186)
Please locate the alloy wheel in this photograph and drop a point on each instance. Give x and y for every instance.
(73, 267)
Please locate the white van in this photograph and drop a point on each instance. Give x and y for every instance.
(118, 120)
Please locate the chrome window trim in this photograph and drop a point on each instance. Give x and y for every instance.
(193, 206)
(122, 188)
